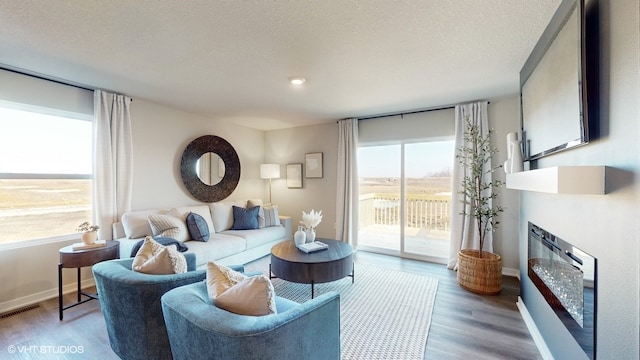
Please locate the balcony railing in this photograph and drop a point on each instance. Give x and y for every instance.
(430, 212)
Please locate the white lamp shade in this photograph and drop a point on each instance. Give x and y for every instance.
(269, 171)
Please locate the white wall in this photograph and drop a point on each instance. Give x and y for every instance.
(160, 135)
(606, 226)
(504, 117)
(289, 146)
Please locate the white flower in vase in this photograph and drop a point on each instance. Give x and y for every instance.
(310, 221)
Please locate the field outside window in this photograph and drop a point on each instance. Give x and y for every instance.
(45, 174)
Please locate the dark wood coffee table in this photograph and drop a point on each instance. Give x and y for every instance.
(289, 263)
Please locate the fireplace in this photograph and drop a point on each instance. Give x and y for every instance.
(567, 279)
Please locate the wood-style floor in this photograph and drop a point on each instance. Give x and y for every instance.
(464, 325)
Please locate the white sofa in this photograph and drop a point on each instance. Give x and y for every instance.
(225, 246)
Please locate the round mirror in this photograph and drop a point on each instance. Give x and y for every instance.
(210, 168)
(211, 186)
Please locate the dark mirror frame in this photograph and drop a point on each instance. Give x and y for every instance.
(587, 74)
(195, 186)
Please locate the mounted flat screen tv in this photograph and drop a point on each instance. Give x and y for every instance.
(557, 83)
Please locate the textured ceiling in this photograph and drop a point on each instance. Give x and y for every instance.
(231, 59)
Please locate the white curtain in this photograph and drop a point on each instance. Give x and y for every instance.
(347, 187)
(113, 163)
(463, 234)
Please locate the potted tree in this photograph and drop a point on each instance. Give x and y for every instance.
(479, 271)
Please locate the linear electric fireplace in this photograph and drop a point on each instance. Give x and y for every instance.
(567, 279)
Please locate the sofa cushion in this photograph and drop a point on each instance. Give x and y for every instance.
(237, 293)
(254, 202)
(254, 238)
(222, 214)
(197, 226)
(165, 241)
(154, 258)
(168, 226)
(202, 210)
(219, 246)
(245, 219)
(136, 223)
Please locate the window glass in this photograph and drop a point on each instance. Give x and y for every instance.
(405, 198)
(45, 174)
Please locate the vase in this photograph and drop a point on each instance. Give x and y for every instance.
(300, 236)
(516, 157)
(311, 235)
(514, 154)
(89, 237)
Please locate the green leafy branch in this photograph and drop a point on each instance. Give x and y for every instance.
(476, 191)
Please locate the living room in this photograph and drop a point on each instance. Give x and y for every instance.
(603, 225)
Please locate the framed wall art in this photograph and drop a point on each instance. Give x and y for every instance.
(294, 176)
(313, 165)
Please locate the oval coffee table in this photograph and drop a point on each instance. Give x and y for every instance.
(289, 263)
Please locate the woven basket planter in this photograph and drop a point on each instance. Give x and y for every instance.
(480, 275)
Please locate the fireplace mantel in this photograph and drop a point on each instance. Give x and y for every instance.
(560, 180)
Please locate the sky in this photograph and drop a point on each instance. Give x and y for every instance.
(422, 159)
(55, 145)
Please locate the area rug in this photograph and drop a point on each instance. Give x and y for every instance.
(385, 314)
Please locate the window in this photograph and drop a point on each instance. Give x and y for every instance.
(45, 173)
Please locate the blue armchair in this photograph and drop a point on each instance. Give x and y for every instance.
(130, 303)
(199, 330)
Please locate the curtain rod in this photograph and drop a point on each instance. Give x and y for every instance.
(44, 77)
(37, 75)
(445, 107)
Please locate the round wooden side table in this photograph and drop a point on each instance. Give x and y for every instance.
(70, 258)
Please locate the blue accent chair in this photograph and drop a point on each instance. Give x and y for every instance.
(199, 330)
(130, 303)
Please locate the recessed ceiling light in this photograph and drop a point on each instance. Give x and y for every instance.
(297, 81)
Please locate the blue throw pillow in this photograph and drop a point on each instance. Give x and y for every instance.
(245, 219)
(166, 241)
(197, 226)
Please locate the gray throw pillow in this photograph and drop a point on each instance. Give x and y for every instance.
(197, 226)
(245, 219)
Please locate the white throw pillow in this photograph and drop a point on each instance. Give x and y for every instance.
(168, 226)
(154, 258)
(136, 223)
(237, 293)
(271, 217)
(220, 278)
(253, 296)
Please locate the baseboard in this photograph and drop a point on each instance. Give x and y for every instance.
(43, 295)
(511, 272)
(533, 330)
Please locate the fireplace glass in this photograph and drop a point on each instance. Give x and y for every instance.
(567, 278)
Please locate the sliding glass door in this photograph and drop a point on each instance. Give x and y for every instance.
(380, 189)
(405, 196)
